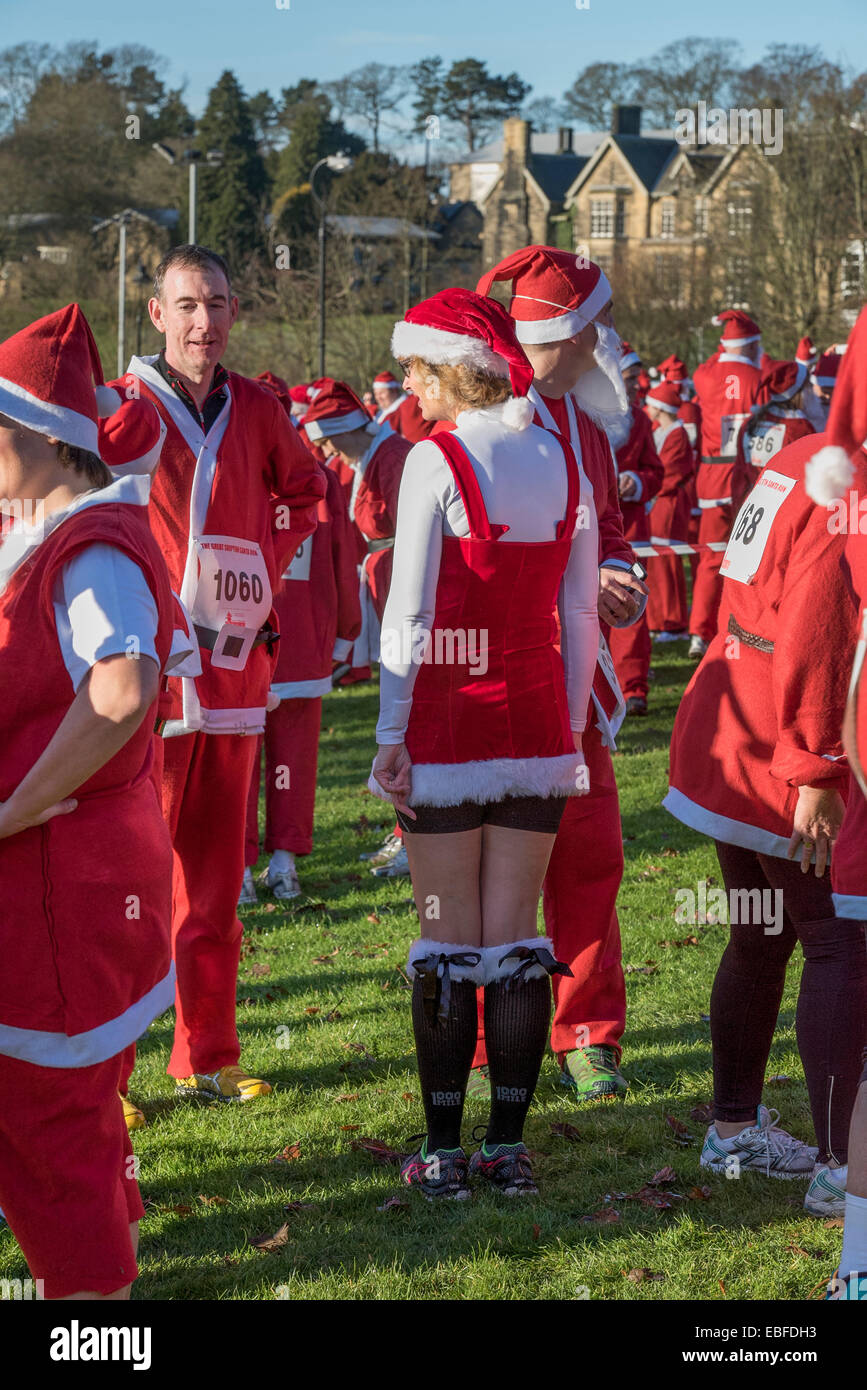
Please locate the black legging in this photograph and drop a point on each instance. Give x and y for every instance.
(831, 1020)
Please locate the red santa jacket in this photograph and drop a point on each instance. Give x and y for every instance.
(373, 508)
(760, 439)
(669, 511)
(86, 905)
(727, 387)
(317, 603)
(849, 863)
(762, 715)
(227, 509)
(639, 460)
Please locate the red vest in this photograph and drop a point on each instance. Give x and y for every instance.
(86, 901)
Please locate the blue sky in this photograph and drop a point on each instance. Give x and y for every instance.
(546, 41)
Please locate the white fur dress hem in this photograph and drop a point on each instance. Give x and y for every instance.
(492, 779)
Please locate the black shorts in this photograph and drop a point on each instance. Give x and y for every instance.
(540, 813)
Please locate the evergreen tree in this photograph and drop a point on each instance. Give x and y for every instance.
(232, 193)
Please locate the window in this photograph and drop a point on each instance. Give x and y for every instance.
(601, 217)
(740, 215)
(668, 277)
(620, 218)
(737, 285)
(852, 274)
(701, 217)
(667, 225)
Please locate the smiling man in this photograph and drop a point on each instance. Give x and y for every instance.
(233, 497)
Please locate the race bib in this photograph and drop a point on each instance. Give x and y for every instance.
(753, 527)
(299, 566)
(763, 442)
(232, 598)
(728, 434)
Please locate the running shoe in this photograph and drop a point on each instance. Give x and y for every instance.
(847, 1287)
(134, 1117)
(669, 637)
(506, 1167)
(247, 895)
(697, 648)
(284, 886)
(826, 1195)
(636, 704)
(759, 1148)
(594, 1073)
(229, 1083)
(389, 847)
(395, 867)
(441, 1173)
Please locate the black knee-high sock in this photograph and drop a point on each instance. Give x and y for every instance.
(516, 1034)
(445, 1048)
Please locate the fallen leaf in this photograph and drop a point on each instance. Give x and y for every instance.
(408, 1095)
(834, 1221)
(290, 1152)
(682, 1134)
(378, 1151)
(651, 870)
(798, 1250)
(350, 1126)
(258, 968)
(341, 1099)
(394, 1204)
(275, 1242)
(181, 1210)
(721, 1283)
(372, 917)
(700, 1194)
(359, 1047)
(687, 941)
(563, 1130)
(662, 1177)
(333, 1016)
(213, 1201)
(671, 853)
(638, 1276)
(780, 1080)
(604, 1217)
(650, 967)
(270, 907)
(227, 1260)
(312, 1009)
(537, 1231)
(326, 960)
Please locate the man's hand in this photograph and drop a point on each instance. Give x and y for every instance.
(619, 592)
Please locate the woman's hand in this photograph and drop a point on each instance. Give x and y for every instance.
(392, 769)
(619, 595)
(818, 817)
(12, 823)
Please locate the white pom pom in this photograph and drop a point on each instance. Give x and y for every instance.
(518, 413)
(828, 475)
(107, 401)
(717, 320)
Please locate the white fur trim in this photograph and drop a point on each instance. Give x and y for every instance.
(44, 417)
(491, 779)
(661, 405)
(630, 360)
(107, 401)
(828, 475)
(493, 955)
(567, 324)
(424, 946)
(518, 413)
(437, 346)
(325, 427)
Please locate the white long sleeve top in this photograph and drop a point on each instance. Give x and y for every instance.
(523, 481)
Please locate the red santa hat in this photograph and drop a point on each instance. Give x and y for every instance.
(805, 352)
(830, 472)
(51, 379)
(554, 293)
(274, 383)
(131, 439)
(672, 369)
(781, 383)
(460, 326)
(739, 329)
(387, 379)
(300, 394)
(629, 357)
(335, 409)
(665, 396)
(824, 373)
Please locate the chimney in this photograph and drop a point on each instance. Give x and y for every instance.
(564, 140)
(516, 139)
(626, 120)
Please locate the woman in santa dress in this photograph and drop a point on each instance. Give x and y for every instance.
(85, 857)
(757, 763)
(481, 719)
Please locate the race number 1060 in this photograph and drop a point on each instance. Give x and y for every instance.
(241, 586)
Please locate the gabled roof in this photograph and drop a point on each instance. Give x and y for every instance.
(555, 173)
(352, 225)
(647, 155)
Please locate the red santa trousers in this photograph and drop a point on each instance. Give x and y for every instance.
(291, 753)
(715, 525)
(206, 782)
(666, 604)
(67, 1178)
(579, 899)
(630, 652)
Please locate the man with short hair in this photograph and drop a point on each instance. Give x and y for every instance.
(233, 497)
(401, 411)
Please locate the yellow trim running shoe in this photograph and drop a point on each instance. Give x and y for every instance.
(134, 1117)
(229, 1083)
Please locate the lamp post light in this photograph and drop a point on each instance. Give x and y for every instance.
(193, 158)
(338, 163)
(122, 220)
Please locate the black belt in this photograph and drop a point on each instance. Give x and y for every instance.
(761, 644)
(207, 637)
(719, 459)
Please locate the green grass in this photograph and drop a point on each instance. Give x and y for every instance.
(750, 1239)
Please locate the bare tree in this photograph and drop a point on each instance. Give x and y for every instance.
(686, 72)
(369, 94)
(21, 68)
(596, 90)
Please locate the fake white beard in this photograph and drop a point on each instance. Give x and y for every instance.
(600, 392)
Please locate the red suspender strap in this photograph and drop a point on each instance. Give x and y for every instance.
(468, 486)
(566, 527)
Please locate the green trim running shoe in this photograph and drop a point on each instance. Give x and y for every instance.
(441, 1173)
(479, 1084)
(594, 1073)
(506, 1167)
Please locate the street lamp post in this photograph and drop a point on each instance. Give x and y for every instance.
(338, 163)
(193, 158)
(122, 220)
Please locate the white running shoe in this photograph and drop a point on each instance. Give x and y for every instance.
(697, 648)
(386, 851)
(826, 1195)
(247, 894)
(395, 867)
(283, 885)
(759, 1148)
(670, 637)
